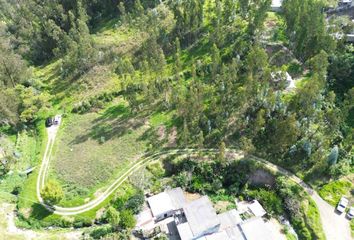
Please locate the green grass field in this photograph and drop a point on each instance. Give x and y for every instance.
(91, 149)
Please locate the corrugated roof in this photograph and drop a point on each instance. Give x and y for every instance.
(201, 215)
(229, 219)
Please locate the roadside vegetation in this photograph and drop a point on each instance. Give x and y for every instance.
(333, 191)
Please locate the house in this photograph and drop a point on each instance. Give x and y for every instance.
(163, 205)
(201, 217)
(276, 5)
(198, 220)
(255, 229)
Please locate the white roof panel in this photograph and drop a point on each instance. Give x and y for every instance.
(201, 215)
(257, 209)
(184, 231)
(256, 229)
(229, 219)
(160, 204)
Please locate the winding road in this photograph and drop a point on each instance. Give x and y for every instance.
(335, 226)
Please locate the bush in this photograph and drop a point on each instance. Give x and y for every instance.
(127, 219)
(271, 202)
(52, 192)
(81, 221)
(100, 232)
(135, 203)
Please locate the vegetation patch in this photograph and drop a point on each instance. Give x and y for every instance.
(333, 191)
(93, 148)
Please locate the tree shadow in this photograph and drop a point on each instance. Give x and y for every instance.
(39, 212)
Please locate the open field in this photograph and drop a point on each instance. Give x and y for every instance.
(92, 148)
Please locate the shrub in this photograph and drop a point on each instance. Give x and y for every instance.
(135, 203)
(271, 202)
(100, 232)
(52, 192)
(127, 219)
(81, 221)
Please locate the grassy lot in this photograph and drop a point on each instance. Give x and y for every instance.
(91, 149)
(333, 191)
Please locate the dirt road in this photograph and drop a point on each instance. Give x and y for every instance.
(335, 226)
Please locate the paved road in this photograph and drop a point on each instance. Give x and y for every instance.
(335, 226)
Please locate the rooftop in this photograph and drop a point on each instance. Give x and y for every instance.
(255, 229)
(257, 209)
(229, 219)
(167, 201)
(185, 231)
(160, 204)
(201, 215)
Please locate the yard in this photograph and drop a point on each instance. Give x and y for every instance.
(93, 148)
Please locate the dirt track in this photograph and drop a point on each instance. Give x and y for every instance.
(335, 226)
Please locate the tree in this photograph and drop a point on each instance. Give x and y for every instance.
(200, 139)
(127, 219)
(306, 27)
(13, 69)
(222, 149)
(178, 64)
(113, 217)
(52, 193)
(135, 203)
(216, 62)
(333, 156)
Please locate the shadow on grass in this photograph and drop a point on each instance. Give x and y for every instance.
(39, 212)
(115, 122)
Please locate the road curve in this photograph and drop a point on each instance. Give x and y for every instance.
(336, 227)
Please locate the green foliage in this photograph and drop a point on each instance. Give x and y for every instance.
(304, 215)
(112, 216)
(333, 156)
(306, 27)
(100, 232)
(52, 192)
(269, 200)
(333, 191)
(127, 219)
(156, 169)
(135, 202)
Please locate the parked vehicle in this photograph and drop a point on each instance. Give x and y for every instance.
(350, 214)
(342, 205)
(49, 122)
(57, 119)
